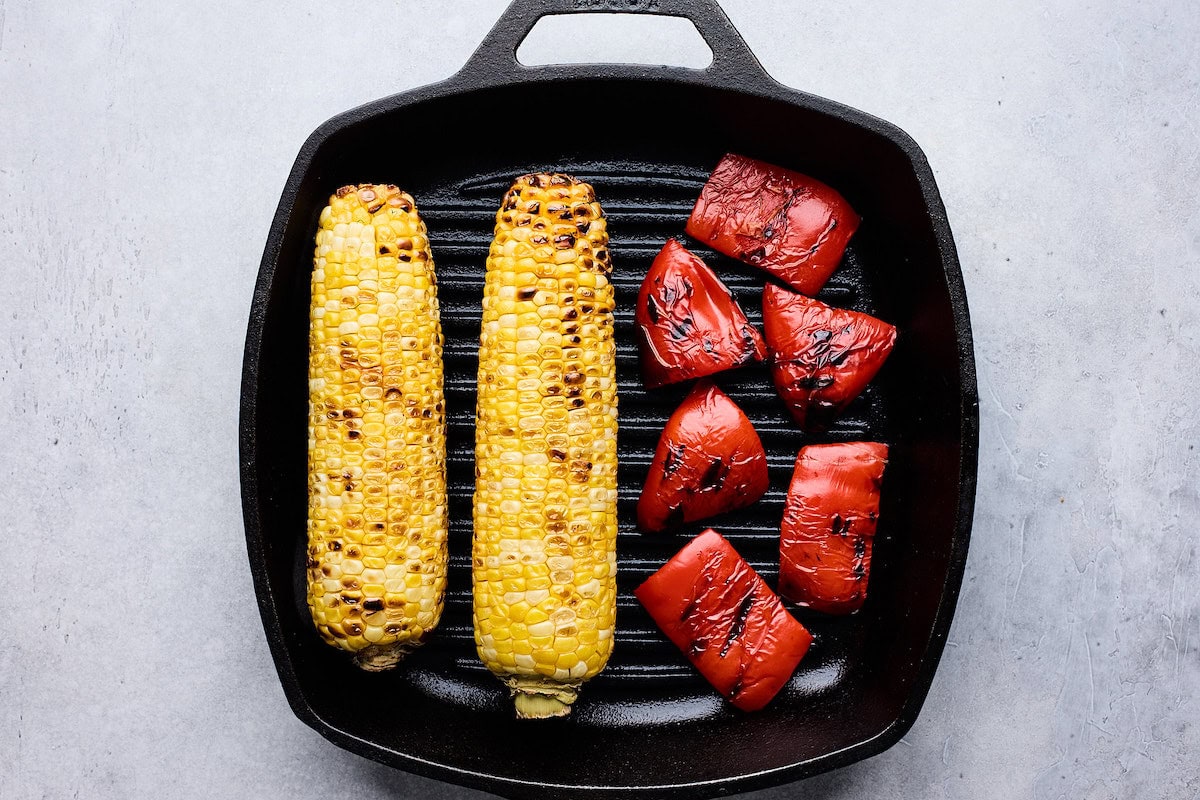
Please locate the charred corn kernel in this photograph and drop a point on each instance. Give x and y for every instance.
(377, 446)
(545, 447)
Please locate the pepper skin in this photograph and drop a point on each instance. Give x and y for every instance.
(690, 325)
(709, 460)
(726, 620)
(790, 225)
(821, 357)
(829, 525)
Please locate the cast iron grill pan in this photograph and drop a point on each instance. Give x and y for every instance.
(648, 724)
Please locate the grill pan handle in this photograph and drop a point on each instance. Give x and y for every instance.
(733, 63)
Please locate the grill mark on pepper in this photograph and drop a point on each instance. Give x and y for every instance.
(682, 328)
(676, 290)
(860, 554)
(822, 348)
(747, 343)
(714, 476)
(673, 459)
(689, 609)
(652, 309)
(841, 526)
(815, 381)
(778, 223)
(739, 622)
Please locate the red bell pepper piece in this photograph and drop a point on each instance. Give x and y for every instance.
(790, 225)
(690, 324)
(822, 357)
(709, 460)
(829, 525)
(726, 620)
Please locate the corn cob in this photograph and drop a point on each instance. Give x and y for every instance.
(544, 553)
(377, 445)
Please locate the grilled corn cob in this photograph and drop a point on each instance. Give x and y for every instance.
(377, 446)
(544, 553)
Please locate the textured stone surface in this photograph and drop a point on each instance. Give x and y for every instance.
(142, 150)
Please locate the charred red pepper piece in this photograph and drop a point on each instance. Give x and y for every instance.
(829, 525)
(690, 324)
(709, 460)
(822, 357)
(726, 620)
(790, 225)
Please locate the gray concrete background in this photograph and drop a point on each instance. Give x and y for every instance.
(142, 150)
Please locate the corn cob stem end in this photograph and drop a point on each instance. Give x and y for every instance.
(382, 657)
(540, 699)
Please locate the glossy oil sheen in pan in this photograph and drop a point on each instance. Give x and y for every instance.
(648, 725)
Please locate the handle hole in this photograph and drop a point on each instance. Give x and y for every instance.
(609, 38)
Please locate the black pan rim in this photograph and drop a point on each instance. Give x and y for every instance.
(475, 79)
